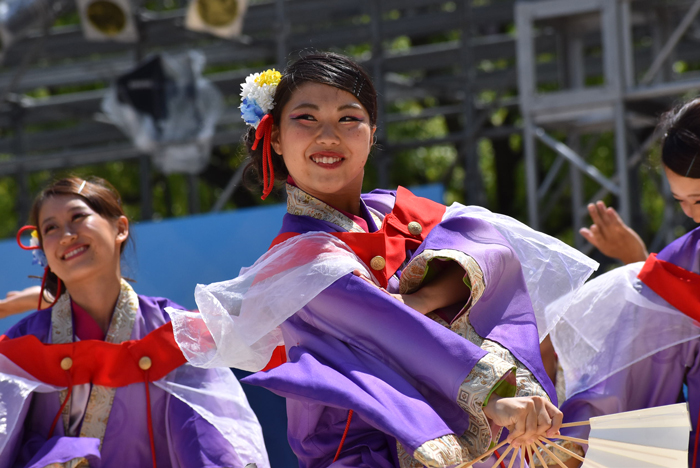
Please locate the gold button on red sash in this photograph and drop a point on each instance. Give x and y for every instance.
(145, 363)
(415, 228)
(377, 263)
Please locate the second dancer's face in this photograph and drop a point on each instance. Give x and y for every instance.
(324, 136)
(80, 244)
(686, 191)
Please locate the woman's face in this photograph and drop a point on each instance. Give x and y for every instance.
(324, 136)
(80, 244)
(686, 191)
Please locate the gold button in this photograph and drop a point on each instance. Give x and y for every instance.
(145, 363)
(377, 263)
(415, 228)
(66, 363)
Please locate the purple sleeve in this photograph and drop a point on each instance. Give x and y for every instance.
(359, 348)
(195, 442)
(37, 324)
(60, 449)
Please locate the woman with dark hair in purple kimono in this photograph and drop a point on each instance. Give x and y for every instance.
(408, 327)
(630, 338)
(97, 379)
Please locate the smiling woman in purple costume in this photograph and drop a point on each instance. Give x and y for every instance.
(627, 342)
(93, 380)
(407, 327)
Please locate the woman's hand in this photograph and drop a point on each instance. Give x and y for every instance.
(612, 236)
(526, 418)
(17, 302)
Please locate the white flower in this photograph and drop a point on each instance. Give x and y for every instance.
(258, 90)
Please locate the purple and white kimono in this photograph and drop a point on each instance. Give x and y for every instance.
(622, 347)
(416, 384)
(200, 417)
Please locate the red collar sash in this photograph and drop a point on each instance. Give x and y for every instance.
(391, 242)
(97, 362)
(677, 286)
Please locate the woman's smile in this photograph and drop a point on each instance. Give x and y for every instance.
(74, 251)
(328, 159)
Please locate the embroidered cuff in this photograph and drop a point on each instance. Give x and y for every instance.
(489, 374)
(438, 453)
(418, 269)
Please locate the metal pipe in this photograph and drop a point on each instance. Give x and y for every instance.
(671, 43)
(576, 160)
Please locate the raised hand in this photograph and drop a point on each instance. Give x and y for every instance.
(17, 302)
(612, 236)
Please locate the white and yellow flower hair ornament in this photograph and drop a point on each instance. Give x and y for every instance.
(258, 93)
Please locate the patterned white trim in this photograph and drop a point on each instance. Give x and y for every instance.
(438, 453)
(301, 203)
(121, 326)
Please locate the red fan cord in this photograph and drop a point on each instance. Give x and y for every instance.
(264, 131)
(65, 402)
(345, 434)
(148, 417)
(498, 455)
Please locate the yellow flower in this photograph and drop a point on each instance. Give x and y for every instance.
(35, 234)
(269, 77)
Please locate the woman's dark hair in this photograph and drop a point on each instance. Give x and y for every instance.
(325, 68)
(97, 193)
(681, 145)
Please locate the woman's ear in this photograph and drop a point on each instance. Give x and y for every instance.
(275, 139)
(122, 229)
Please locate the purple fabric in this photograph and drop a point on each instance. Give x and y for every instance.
(654, 381)
(63, 449)
(504, 312)
(181, 436)
(355, 347)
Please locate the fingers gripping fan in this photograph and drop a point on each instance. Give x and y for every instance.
(108, 20)
(223, 18)
(648, 438)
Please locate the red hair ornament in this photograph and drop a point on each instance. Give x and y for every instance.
(46, 268)
(264, 132)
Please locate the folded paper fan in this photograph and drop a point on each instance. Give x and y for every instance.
(650, 437)
(647, 438)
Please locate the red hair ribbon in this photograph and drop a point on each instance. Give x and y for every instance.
(22, 230)
(264, 130)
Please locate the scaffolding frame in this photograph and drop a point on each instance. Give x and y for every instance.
(575, 109)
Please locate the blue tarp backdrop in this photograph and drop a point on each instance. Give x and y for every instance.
(168, 258)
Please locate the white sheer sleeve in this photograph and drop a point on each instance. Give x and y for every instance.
(552, 269)
(236, 325)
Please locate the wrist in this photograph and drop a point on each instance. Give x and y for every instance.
(490, 407)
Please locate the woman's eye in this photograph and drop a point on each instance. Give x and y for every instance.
(303, 117)
(79, 216)
(48, 229)
(350, 118)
